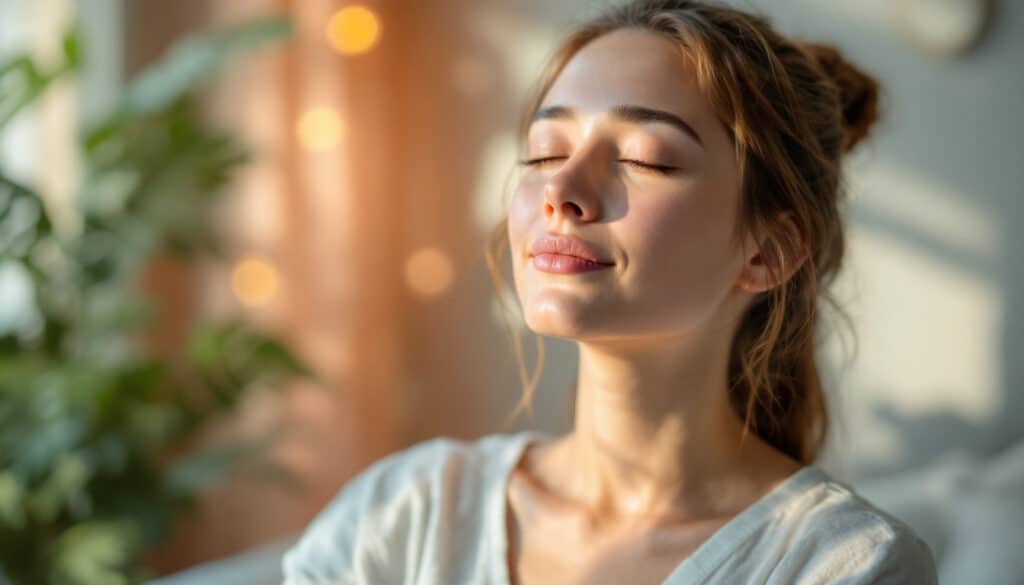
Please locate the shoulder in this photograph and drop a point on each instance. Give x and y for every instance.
(837, 533)
(384, 510)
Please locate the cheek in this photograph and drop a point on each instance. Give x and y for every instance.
(681, 251)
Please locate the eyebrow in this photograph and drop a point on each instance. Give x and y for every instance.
(627, 113)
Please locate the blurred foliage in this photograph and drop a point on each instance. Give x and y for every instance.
(92, 423)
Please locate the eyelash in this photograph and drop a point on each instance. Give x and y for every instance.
(661, 169)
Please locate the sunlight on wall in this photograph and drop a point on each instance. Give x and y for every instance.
(495, 180)
(933, 328)
(930, 332)
(943, 217)
(927, 311)
(525, 45)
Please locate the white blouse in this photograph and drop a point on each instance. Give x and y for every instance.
(434, 514)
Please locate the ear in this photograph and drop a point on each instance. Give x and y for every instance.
(763, 258)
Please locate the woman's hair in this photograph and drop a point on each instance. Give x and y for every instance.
(792, 110)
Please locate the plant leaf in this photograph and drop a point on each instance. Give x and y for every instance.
(94, 553)
(12, 494)
(22, 80)
(209, 467)
(194, 60)
(23, 220)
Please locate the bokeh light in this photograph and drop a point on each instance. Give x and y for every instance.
(254, 281)
(353, 30)
(429, 272)
(320, 129)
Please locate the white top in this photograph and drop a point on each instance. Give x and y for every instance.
(434, 513)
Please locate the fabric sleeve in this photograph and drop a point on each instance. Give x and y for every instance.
(903, 560)
(884, 554)
(364, 534)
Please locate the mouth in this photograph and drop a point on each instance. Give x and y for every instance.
(555, 263)
(568, 250)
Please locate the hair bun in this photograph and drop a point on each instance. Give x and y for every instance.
(858, 92)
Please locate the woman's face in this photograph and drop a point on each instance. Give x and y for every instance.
(630, 158)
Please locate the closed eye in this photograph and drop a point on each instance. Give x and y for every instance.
(536, 162)
(662, 169)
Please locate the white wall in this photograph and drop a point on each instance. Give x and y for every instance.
(934, 281)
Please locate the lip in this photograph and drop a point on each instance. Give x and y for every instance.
(565, 254)
(562, 264)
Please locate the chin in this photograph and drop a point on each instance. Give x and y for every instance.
(556, 320)
(551, 318)
(566, 311)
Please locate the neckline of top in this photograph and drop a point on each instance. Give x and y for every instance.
(690, 570)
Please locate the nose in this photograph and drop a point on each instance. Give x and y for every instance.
(572, 191)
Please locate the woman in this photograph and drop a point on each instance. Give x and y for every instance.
(677, 216)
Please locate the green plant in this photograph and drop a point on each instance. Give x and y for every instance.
(89, 416)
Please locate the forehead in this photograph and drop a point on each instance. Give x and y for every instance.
(634, 67)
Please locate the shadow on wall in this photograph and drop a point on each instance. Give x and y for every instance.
(945, 176)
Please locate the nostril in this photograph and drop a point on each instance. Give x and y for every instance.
(567, 208)
(575, 208)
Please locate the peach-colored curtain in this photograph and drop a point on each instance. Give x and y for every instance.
(333, 257)
(359, 214)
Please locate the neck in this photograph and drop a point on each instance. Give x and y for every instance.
(654, 434)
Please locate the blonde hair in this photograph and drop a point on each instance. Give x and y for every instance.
(792, 110)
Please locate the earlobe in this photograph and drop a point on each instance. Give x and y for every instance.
(754, 275)
(776, 259)
(753, 283)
